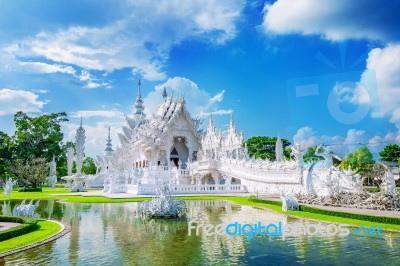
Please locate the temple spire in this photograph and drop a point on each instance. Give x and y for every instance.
(108, 150)
(279, 149)
(164, 93)
(138, 112)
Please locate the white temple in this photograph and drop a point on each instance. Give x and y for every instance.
(170, 147)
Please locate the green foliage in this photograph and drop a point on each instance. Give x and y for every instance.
(271, 202)
(88, 166)
(30, 189)
(263, 147)
(35, 142)
(309, 155)
(28, 225)
(361, 161)
(390, 153)
(30, 173)
(38, 136)
(6, 147)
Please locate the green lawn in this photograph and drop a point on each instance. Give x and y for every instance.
(46, 194)
(46, 230)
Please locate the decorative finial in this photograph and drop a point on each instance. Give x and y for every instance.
(109, 132)
(81, 120)
(139, 94)
(164, 94)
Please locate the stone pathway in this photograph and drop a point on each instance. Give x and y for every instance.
(7, 225)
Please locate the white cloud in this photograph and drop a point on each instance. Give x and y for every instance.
(39, 67)
(341, 145)
(199, 102)
(96, 135)
(385, 98)
(12, 101)
(141, 39)
(334, 20)
(91, 82)
(98, 113)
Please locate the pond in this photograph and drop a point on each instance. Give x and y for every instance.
(116, 234)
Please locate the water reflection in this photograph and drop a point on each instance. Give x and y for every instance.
(116, 234)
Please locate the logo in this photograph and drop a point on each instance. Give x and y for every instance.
(280, 230)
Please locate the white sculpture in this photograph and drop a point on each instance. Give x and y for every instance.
(27, 210)
(52, 176)
(389, 185)
(325, 152)
(164, 205)
(8, 188)
(289, 203)
(297, 153)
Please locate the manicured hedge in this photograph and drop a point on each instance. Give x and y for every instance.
(30, 189)
(28, 225)
(272, 202)
(364, 217)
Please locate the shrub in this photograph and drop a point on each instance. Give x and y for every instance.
(30, 189)
(28, 225)
(271, 202)
(364, 217)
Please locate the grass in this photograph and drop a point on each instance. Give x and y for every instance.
(46, 230)
(238, 200)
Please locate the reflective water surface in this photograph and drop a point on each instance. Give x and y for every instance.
(115, 234)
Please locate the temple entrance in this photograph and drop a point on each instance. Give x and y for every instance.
(179, 152)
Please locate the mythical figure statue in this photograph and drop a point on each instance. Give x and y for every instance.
(326, 153)
(297, 153)
(8, 187)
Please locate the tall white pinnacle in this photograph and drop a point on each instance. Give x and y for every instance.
(70, 160)
(108, 150)
(279, 149)
(79, 147)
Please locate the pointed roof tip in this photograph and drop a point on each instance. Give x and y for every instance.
(81, 120)
(139, 95)
(164, 93)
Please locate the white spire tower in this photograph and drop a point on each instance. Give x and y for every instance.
(138, 111)
(79, 147)
(279, 150)
(108, 150)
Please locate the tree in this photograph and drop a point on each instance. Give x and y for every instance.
(88, 166)
(309, 155)
(263, 147)
(361, 161)
(38, 137)
(390, 153)
(30, 173)
(6, 146)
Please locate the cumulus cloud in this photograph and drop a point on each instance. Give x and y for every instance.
(12, 101)
(137, 40)
(98, 113)
(96, 135)
(341, 145)
(198, 101)
(384, 64)
(334, 20)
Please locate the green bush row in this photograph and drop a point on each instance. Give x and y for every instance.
(30, 189)
(271, 202)
(28, 225)
(364, 217)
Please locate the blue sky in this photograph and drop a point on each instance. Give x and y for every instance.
(312, 71)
